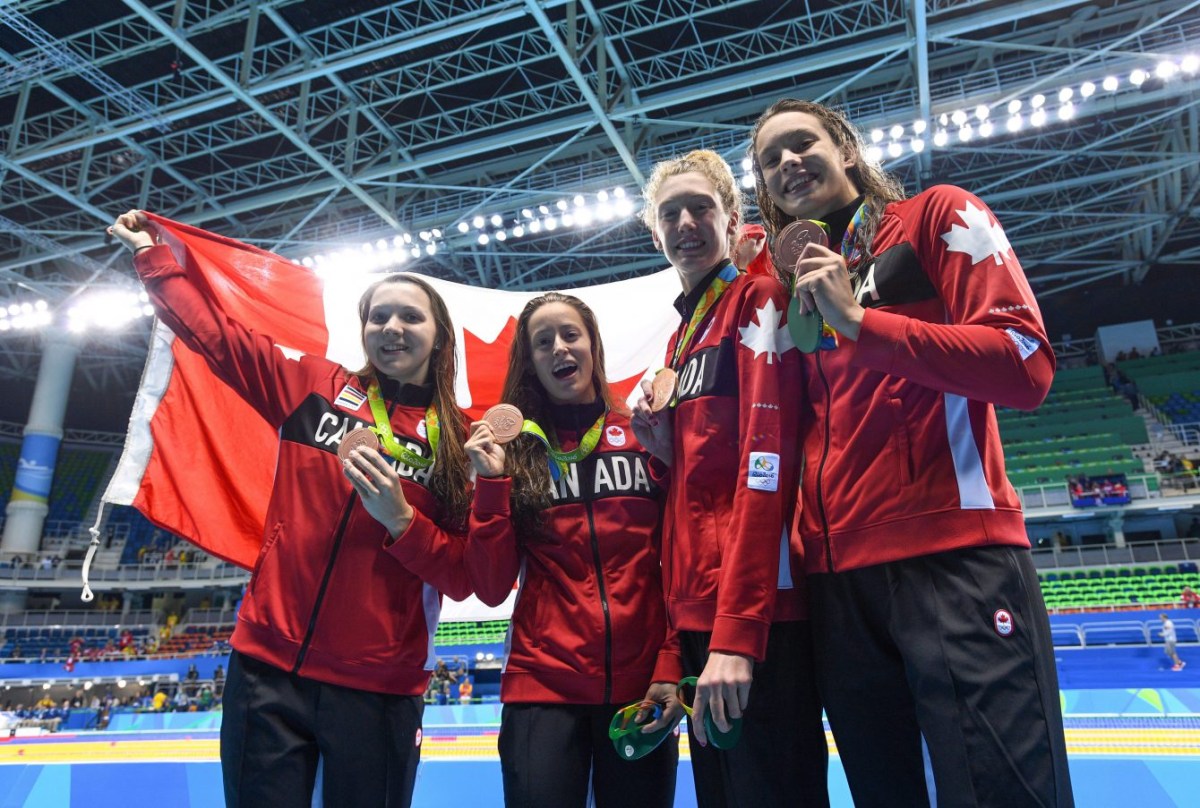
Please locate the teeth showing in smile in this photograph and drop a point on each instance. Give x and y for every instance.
(563, 371)
(798, 182)
(392, 348)
(690, 245)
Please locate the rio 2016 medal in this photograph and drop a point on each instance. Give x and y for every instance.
(792, 240)
(805, 329)
(355, 439)
(506, 422)
(663, 388)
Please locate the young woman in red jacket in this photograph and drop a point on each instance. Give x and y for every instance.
(929, 623)
(733, 581)
(588, 632)
(332, 646)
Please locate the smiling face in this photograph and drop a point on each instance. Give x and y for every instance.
(803, 169)
(400, 333)
(691, 227)
(560, 349)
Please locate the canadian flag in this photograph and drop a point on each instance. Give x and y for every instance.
(198, 461)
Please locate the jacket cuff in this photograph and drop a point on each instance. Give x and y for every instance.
(660, 472)
(491, 496)
(415, 542)
(668, 667)
(880, 333)
(157, 262)
(740, 635)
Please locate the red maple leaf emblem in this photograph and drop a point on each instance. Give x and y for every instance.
(487, 362)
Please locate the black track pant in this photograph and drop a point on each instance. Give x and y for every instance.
(953, 647)
(782, 757)
(275, 727)
(558, 755)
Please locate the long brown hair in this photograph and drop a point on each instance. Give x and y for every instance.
(449, 481)
(525, 459)
(876, 185)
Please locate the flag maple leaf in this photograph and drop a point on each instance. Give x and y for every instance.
(980, 238)
(766, 336)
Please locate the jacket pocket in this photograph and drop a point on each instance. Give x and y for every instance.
(272, 537)
(903, 447)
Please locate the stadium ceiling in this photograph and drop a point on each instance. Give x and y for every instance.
(318, 126)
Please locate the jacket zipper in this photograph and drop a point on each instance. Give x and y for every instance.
(312, 621)
(603, 606)
(821, 465)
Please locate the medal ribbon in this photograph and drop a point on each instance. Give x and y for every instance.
(560, 459)
(715, 289)
(383, 428)
(851, 254)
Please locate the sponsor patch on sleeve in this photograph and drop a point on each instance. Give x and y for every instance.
(763, 473)
(1026, 345)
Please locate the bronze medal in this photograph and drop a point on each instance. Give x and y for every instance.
(663, 388)
(506, 422)
(792, 240)
(356, 439)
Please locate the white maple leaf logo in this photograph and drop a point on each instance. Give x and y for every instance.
(766, 336)
(980, 238)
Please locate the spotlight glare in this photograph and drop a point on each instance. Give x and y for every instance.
(876, 135)
(747, 181)
(917, 145)
(894, 149)
(1065, 95)
(1066, 111)
(1190, 63)
(747, 164)
(1014, 106)
(561, 204)
(964, 133)
(959, 117)
(896, 132)
(874, 154)
(527, 213)
(1087, 89)
(500, 235)
(535, 226)
(982, 112)
(1110, 84)
(483, 238)
(1138, 77)
(1037, 101)
(579, 200)
(919, 127)
(985, 129)
(1166, 70)
(603, 195)
(550, 223)
(619, 193)
(1015, 122)
(542, 209)
(496, 220)
(518, 231)
(1038, 117)
(463, 227)
(478, 222)
(567, 220)
(430, 248)
(940, 138)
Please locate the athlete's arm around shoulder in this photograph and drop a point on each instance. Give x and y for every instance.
(986, 341)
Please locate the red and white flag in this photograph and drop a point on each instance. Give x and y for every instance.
(199, 462)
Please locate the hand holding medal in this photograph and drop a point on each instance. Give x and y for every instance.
(807, 329)
(499, 425)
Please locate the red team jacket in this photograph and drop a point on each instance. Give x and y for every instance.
(903, 454)
(325, 601)
(589, 625)
(728, 565)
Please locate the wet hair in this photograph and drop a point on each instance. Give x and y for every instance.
(450, 481)
(701, 161)
(876, 185)
(525, 459)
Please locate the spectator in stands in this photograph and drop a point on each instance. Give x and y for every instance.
(932, 641)
(160, 701)
(206, 698)
(465, 690)
(1190, 598)
(588, 629)
(328, 618)
(1169, 640)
